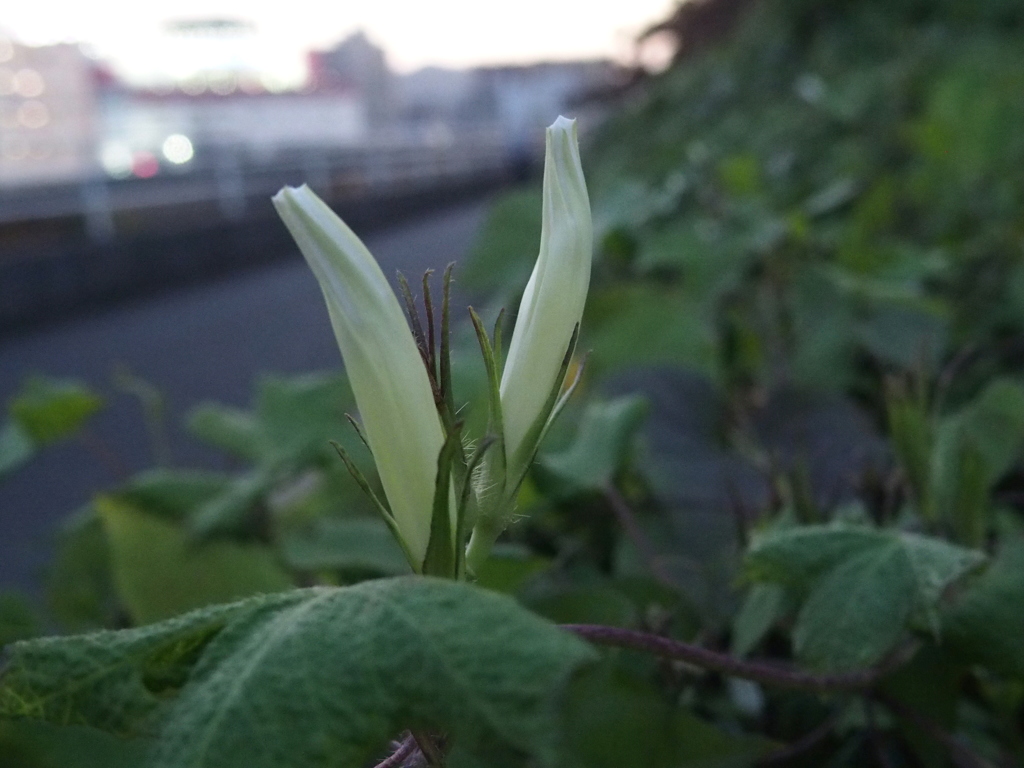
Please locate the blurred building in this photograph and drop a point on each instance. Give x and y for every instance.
(524, 99)
(517, 101)
(48, 113)
(357, 63)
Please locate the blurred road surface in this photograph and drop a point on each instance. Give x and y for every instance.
(204, 343)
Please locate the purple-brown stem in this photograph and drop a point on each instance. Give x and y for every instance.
(761, 672)
(401, 754)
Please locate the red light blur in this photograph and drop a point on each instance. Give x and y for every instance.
(145, 165)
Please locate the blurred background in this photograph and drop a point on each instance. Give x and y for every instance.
(139, 147)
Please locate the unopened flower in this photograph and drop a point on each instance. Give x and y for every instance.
(385, 369)
(552, 304)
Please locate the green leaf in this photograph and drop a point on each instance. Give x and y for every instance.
(312, 677)
(905, 334)
(986, 625)
(913, 437)
(51, 409)
(17, 618)
(230, 429)
(230, 510)
(509, 568)
(171, 493)
(79, 590)
(795, 556)
(158, 572)
(761, 608)
(601, 447)
(118, 682)
(565, 603)
(506, 247)
(674, 330)
(300, 415)
(614, 719)
(856, 613)
(361, 544)
(974, 449)
(30, 744)
(863, 586)
(16, 447)
(995, 422)
(930, 683)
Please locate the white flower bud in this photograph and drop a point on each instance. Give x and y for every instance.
(553, 302)
(384, 367)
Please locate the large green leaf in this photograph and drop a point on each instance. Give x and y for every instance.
(863, 586)
(158, 572)
(312, 678)
(118, 682)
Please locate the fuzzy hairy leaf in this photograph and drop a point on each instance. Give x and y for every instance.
(863, 586)
(109, 680)
(311, 678)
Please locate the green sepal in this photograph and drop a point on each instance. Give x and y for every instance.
(445, 361)
(428, 309)
(440, 559)
(498, 325)
(359, 431)
(381, 506)
(414, 319)
(497, 425)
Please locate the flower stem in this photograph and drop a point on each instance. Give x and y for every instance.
(485, 533)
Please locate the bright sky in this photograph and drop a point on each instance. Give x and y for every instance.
(413, 32)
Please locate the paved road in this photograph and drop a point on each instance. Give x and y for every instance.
(206, 343)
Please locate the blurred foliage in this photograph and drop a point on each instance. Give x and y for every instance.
(798, 440)
(810, 258)
(44, 411)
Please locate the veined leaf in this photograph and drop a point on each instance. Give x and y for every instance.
(863, 586)
(312, 678)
